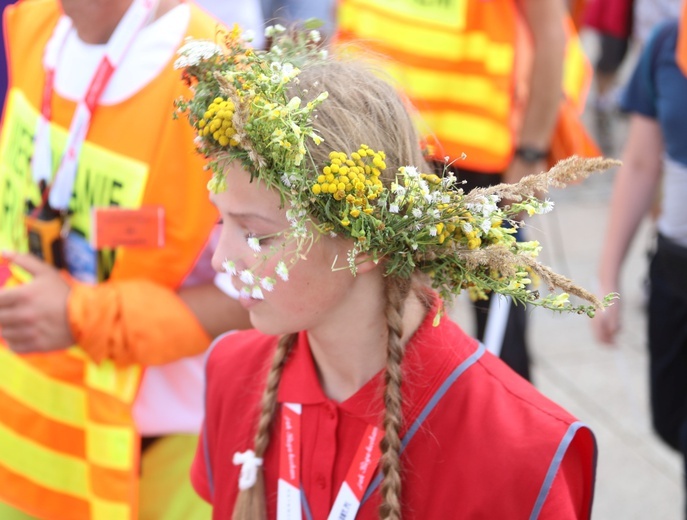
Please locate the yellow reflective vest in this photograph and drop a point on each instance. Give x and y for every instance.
(456, 60)
(68, 443)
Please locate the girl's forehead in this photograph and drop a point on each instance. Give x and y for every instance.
(242, 196)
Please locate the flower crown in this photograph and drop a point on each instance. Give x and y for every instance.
(242, 111)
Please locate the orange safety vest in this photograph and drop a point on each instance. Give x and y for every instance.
(455, 59)
(68, 443)
(681, 51)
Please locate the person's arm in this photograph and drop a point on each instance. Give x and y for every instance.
(545, 20)
(50, 313)
(634, 189)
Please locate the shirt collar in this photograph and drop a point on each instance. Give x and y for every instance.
(431, 354)
(299, 382)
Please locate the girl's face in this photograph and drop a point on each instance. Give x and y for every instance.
(313, 294)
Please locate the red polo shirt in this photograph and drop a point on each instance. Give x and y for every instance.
(489, 444)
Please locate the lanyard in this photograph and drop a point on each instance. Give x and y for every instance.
(357, 479)
(135, 18)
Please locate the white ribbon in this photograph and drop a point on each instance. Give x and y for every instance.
(249, 468)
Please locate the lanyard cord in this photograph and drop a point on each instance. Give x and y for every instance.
(128, 28)
(357, 480)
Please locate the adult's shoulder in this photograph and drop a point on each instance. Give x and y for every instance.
(203, 24)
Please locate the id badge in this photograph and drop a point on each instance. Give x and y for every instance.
(116, 227)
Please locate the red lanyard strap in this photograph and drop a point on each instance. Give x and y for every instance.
(357, 479)
(128, 28)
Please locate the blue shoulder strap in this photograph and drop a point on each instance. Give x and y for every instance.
(438, 395)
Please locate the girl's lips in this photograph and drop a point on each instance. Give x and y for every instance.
(247, 302)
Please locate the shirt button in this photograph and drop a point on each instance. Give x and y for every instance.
(321, 481)
(331, 411)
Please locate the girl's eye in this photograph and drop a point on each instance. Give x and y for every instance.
(253, 241)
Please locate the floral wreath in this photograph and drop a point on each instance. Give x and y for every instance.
(241, 110)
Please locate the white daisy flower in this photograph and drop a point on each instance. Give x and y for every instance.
(268, 283)
(411, 171)
(417, 212)
(229, 267)
(287, 69)
(547, 206)
(256, 293)
(247, 277)
(282, 271)
(393, 208)
(254, 244)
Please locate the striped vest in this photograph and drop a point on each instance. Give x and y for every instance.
(68, 442)
(456, 60)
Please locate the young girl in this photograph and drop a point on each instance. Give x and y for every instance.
(355, 397)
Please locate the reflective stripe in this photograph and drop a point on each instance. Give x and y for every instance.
(53, 435)
(204, 438)
(553, 468)
(45, 395)
(110, 447)
(439, 14)
(61, 473)
(470, 130)
(495, 57)
(119, 382)
(208, 463)
(306, 505)
(431, 85)
(110, 510)
(438, 395)
(107, 446)
(576, 72)
(57, 471)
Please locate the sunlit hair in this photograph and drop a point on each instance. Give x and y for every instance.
(363, 107)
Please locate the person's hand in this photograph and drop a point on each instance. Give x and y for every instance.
(33, 317)
(606, 323)
(518, 169)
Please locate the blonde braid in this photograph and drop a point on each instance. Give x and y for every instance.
(396, 293)
(250, 503)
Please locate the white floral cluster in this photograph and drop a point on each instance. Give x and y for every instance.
(193, 52)
(244, 110)
(254, 285)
